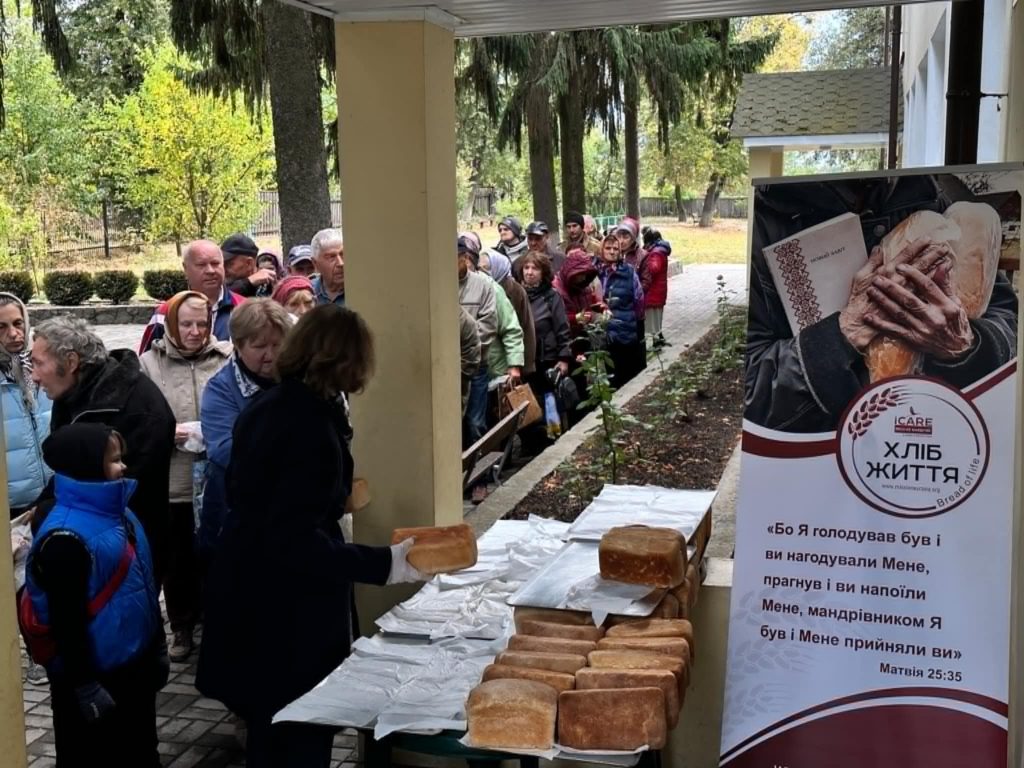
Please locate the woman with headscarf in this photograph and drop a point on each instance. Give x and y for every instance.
(26, 415)
(498, 266)
(576, 284)
(624, 297)
(295, 293)
(181, 364)
(511, 242)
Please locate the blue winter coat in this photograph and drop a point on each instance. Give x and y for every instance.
(223, 401)
(24, 431)
(97, 513)
(624, 296)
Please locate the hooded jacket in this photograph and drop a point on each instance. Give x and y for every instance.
(653, 271)
(89, 576)
(501, 273)
(182, 381)
(116, 393)
(577, 264)
(26, 415)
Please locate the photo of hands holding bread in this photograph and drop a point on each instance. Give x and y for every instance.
(856, 279)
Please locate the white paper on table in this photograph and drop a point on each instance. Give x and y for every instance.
(602, 597)
(544, 754)
(681, 510)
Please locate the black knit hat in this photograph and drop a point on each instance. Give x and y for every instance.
(77, 451)
(572, 217)
(514, 224)
(239, 245)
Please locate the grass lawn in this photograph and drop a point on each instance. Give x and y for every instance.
(724, 243)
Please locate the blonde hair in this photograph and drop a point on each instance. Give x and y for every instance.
(254, 316)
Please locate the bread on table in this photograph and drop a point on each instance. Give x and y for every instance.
(612, 718)
(682, 595)
(560, 681)
(556, 662)
(655, 628)
(668, 608)
(633, 659)
(550, 644)
(669, 646)
(693, 584)
(638, 554)
(439, 549)
(552, 615)
(564, 631)
(512, 714)
(589, 678)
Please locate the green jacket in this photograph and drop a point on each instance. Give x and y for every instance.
(507, 348)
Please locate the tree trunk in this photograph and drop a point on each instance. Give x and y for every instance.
(707, 213)
(632, 138)
(680, 208)
(302, 189)
(542, 157)
(574, 190)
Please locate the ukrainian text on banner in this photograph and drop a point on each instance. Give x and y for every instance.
(871, 595)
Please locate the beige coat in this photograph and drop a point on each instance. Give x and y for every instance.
(182, 382)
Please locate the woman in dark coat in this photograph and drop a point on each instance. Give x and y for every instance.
(551, 328)
(280, 611)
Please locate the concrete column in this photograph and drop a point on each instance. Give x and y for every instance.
(12, 713)
(764, 162)
(396, 122)
(1015, 100)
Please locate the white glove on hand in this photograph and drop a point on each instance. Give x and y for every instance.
(401, 571)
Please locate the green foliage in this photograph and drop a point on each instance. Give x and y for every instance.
(18, 283)
(161, 284)
(851, 38)
(190, 162)
(68, 289)
(116, 285)
(794, 34)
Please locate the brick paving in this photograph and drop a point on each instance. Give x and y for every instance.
(196, 732)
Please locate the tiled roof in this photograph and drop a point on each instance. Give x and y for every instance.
(817, 103)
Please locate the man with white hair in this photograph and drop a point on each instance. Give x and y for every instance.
(203, 263)
(89, 385)
(329, 257)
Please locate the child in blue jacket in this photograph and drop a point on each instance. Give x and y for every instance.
(89, 610)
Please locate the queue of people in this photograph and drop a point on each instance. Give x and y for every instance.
(130, 471)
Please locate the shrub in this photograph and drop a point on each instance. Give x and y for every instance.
(116, 285)
(68, 289)
(20, 284)
(161, 284)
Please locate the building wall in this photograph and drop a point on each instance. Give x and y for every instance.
(926, 38)
(1015, 103)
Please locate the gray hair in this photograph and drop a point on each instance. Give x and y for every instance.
(325, 238)
(66, 334)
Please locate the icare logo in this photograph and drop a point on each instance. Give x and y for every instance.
(912, 424)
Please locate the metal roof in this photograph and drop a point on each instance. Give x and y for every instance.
(825, 103)
(481, 18)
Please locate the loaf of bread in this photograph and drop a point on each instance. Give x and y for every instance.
(638, 554)
(512, 714)
(668, 608)
(557, 680)
(550, 644)
(655, 628)
(442, 549)
(552, 615)
(670, 646)
(563, 631)
(589, 678)
(629, 659)
(556, 662)
(612, 718)
(682, 595)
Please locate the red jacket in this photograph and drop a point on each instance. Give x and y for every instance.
(653, 269)
(577, 263)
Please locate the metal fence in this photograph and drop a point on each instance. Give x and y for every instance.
(727, 207)
(269, 220)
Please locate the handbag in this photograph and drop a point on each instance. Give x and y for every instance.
(517, 395)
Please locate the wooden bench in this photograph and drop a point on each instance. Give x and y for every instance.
(487, 456)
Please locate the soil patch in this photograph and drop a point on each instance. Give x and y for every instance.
(684, 427)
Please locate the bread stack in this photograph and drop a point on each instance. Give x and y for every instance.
(439, 549)
(589, 688)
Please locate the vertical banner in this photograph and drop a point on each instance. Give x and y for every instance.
(870, 618)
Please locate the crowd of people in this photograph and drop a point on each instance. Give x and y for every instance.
(127, 468)
(542, 309)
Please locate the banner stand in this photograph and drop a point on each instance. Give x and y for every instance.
(1015, 758)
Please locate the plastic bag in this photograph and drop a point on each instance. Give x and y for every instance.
(551, 415)
(198, 489)
(21, 543)
(195, 442)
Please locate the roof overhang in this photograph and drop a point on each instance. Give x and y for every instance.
(482, 18)
(816, 143)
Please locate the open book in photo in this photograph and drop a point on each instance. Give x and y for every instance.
(813, 270)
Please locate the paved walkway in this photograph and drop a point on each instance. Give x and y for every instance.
(196, 732)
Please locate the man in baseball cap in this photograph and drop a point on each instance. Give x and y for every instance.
(538, 241)
(243, 277)
(300, 261)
